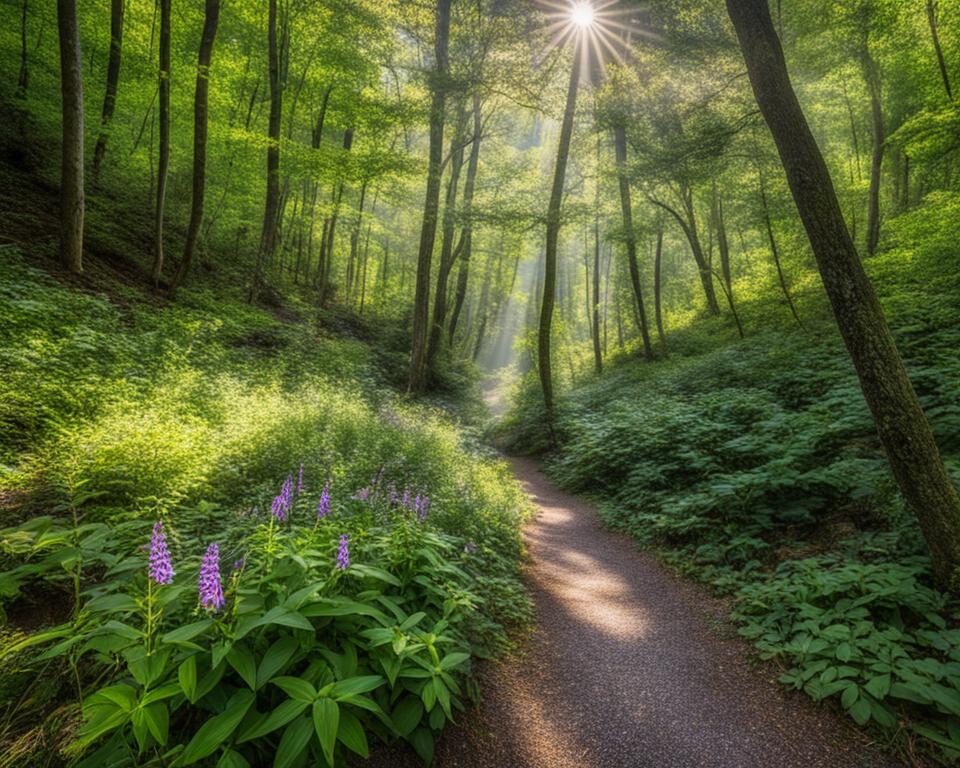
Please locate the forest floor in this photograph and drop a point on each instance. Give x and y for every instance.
(629, 667)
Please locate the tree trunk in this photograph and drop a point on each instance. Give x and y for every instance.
(901, 423)
(658, 285)
(553, 235)
(211, 17)
(597, 349)
(871, 75)
(467, 251)
(113, 79)
(689, 227)
(353, 265)
(163, 163)
(71, 168)
(431, 205)
(271, 208)
(326, 252)
(447, 253)
(626, 206)
(724, 247)
(776, 251)
(934, 34)
(23, 76)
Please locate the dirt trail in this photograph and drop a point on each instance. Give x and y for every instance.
(627, 668)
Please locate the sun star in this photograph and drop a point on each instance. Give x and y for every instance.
(582, 15)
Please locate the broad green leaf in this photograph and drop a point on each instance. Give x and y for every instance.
(187, 633)
(294, 741)
(187, 675)
(355, 685)
(452, 660)
(275, 659)
(407, 715)
(326, 722)
(217, 729)
(232, 759)
(279, 717)
(352, 735)
(422, 741)
(296, 688)
(241, 659)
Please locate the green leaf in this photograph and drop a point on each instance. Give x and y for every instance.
(284, 617)
(296, 688)
(112, 604)
(186, 633)
(218, 729)
(452, 660)
(275, 659)
(326, 722)
(860, 711)
(232, 759)
(850, 695)
(161, 693)
(375, 573)
(352, 735)
(157, 718)
(422, 741)
(187, 675)
(241, 659)
(356, 685)
(878, 687)
(279, 717)
(407, 715)
(293, 743)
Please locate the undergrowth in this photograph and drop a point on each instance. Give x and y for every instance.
(116, 413)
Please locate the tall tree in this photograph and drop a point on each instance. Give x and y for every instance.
(207, 36)
(901, 423)
(113, 80)
(431, 205)
(164, 161)
(466, 248)
(935, 37)
(71, 168)
(630, 235)
(553, 229)
(597, 348)
(658, 285)
(271, 206)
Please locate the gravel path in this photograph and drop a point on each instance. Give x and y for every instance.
(629, 667)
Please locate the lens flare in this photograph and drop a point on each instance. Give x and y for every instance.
(582, 15)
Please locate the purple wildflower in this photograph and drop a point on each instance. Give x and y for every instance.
(362, 495)
(284, 500)
(300, 480)
(405, 501)
(210, 587)
(161, 568)
(323, 508)
(238, 564)
(343, 553)
(420, 505)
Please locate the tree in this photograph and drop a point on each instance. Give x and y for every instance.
(901, 424)
(211, 17)
(630, 236)
(71, 168)
(431, 205)
(164, 162)
(271, 206)
(938, 49)
(113, 80)
(597, 349)
(553, 230)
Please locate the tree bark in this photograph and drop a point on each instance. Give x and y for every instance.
(71, 168)
(626, 206)
(113, 79)
(723, 245)
(658, 286)
(163, 164)
(271, 208)
(326, 252)
(871, 74)
(466, 252)
(431, 205)
(901, 423)
(553, 235)
(689, 226)
(597, 348)
(938, 49)
(448, 255)
(776, 251)
(207, 37)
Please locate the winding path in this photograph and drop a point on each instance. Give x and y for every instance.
(628, 668)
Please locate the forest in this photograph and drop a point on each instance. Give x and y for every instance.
(518, 383)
